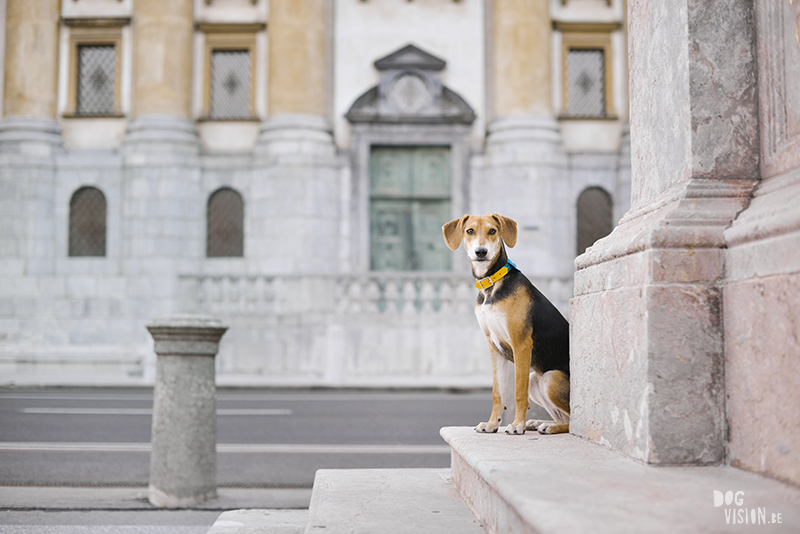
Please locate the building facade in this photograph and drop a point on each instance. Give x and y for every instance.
(287, 166)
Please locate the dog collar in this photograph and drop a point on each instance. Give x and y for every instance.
(489, 281)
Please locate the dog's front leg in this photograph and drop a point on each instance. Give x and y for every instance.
(522, 368)
(499, 384)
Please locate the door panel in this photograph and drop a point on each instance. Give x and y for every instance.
(390, 235)
(409, 203)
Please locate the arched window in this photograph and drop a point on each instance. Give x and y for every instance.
(594, 217)
(87, 223)
(225, 218)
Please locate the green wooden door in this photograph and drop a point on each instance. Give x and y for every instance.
(409, 203)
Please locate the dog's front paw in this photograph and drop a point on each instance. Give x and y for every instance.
(486, 428)
(515, 428)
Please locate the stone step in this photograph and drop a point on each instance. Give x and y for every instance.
(561, 483)
(389, 501)
(260, 522)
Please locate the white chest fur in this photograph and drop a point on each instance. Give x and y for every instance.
(494, 325)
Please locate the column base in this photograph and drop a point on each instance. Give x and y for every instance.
(647, 371)
(523, 174)
(525, 138)
(162, 134)
(296, 134)
(30, 136)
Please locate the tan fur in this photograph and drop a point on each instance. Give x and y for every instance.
(503, 328)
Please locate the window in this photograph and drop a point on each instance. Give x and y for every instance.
(409, 203)
(230, 84)
(587, 91)
(229, 79)
(94, 81)
(87, 223)
(225, 220)
(586, 95)
(595, 219)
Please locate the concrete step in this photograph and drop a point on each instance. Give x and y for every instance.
(261, 522)
(388, 501)
(561, 483)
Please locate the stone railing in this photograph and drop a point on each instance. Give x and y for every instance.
(400, 329)
(382, 293)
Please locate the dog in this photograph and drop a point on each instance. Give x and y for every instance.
(523, 329)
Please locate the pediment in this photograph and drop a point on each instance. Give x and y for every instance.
(410, 57)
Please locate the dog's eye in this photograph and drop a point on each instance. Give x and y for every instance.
(492, 231)
(470, 231)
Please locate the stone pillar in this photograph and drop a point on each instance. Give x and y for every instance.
(162, 74)
(295, 153)
(183, 461)
(162, 197)
(524, 152)
(30, 82)
(298, 83)
(646, 343)
(762, 274)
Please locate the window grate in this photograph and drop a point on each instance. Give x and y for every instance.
(225, 237)
(230, 84)
(96, 79)
(586, 83)
(87, 223)
(595, 217)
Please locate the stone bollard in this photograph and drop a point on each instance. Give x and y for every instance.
(183, 460)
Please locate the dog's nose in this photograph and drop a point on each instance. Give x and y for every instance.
(480, 252)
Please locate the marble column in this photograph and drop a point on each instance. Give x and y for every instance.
(524, 152)
(298, 83)
(647, 374)
(30, 78)
(297, 186)
(162, 75)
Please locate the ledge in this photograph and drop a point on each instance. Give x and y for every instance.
(561, 483)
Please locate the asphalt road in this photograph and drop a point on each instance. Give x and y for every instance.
(265, 438)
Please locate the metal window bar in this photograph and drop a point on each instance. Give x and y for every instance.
(97, 66)
(230, 84)
(586, 83)
(225, 219)
(87, 223)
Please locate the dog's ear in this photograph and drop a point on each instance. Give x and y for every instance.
(452, 232)
(508, 229)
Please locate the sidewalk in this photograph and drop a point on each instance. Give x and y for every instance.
(69, 510)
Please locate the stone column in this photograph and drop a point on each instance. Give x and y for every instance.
(298, 81)
(646, 341)
(183, 461)
(524, 152)
(162, 74)
(295, 153)
(163, 198)
(30, 82)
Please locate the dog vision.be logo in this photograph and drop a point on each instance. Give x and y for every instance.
(737, 514)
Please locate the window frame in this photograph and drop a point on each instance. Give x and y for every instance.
(587, 37)
(104, 34)
(222, 38)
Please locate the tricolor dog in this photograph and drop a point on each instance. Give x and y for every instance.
(525, 332)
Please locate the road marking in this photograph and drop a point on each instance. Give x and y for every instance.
(148, 411)
(232, 448)
(268, 397)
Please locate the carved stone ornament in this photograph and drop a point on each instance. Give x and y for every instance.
(410, 91)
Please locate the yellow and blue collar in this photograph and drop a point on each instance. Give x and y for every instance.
(489, 281)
